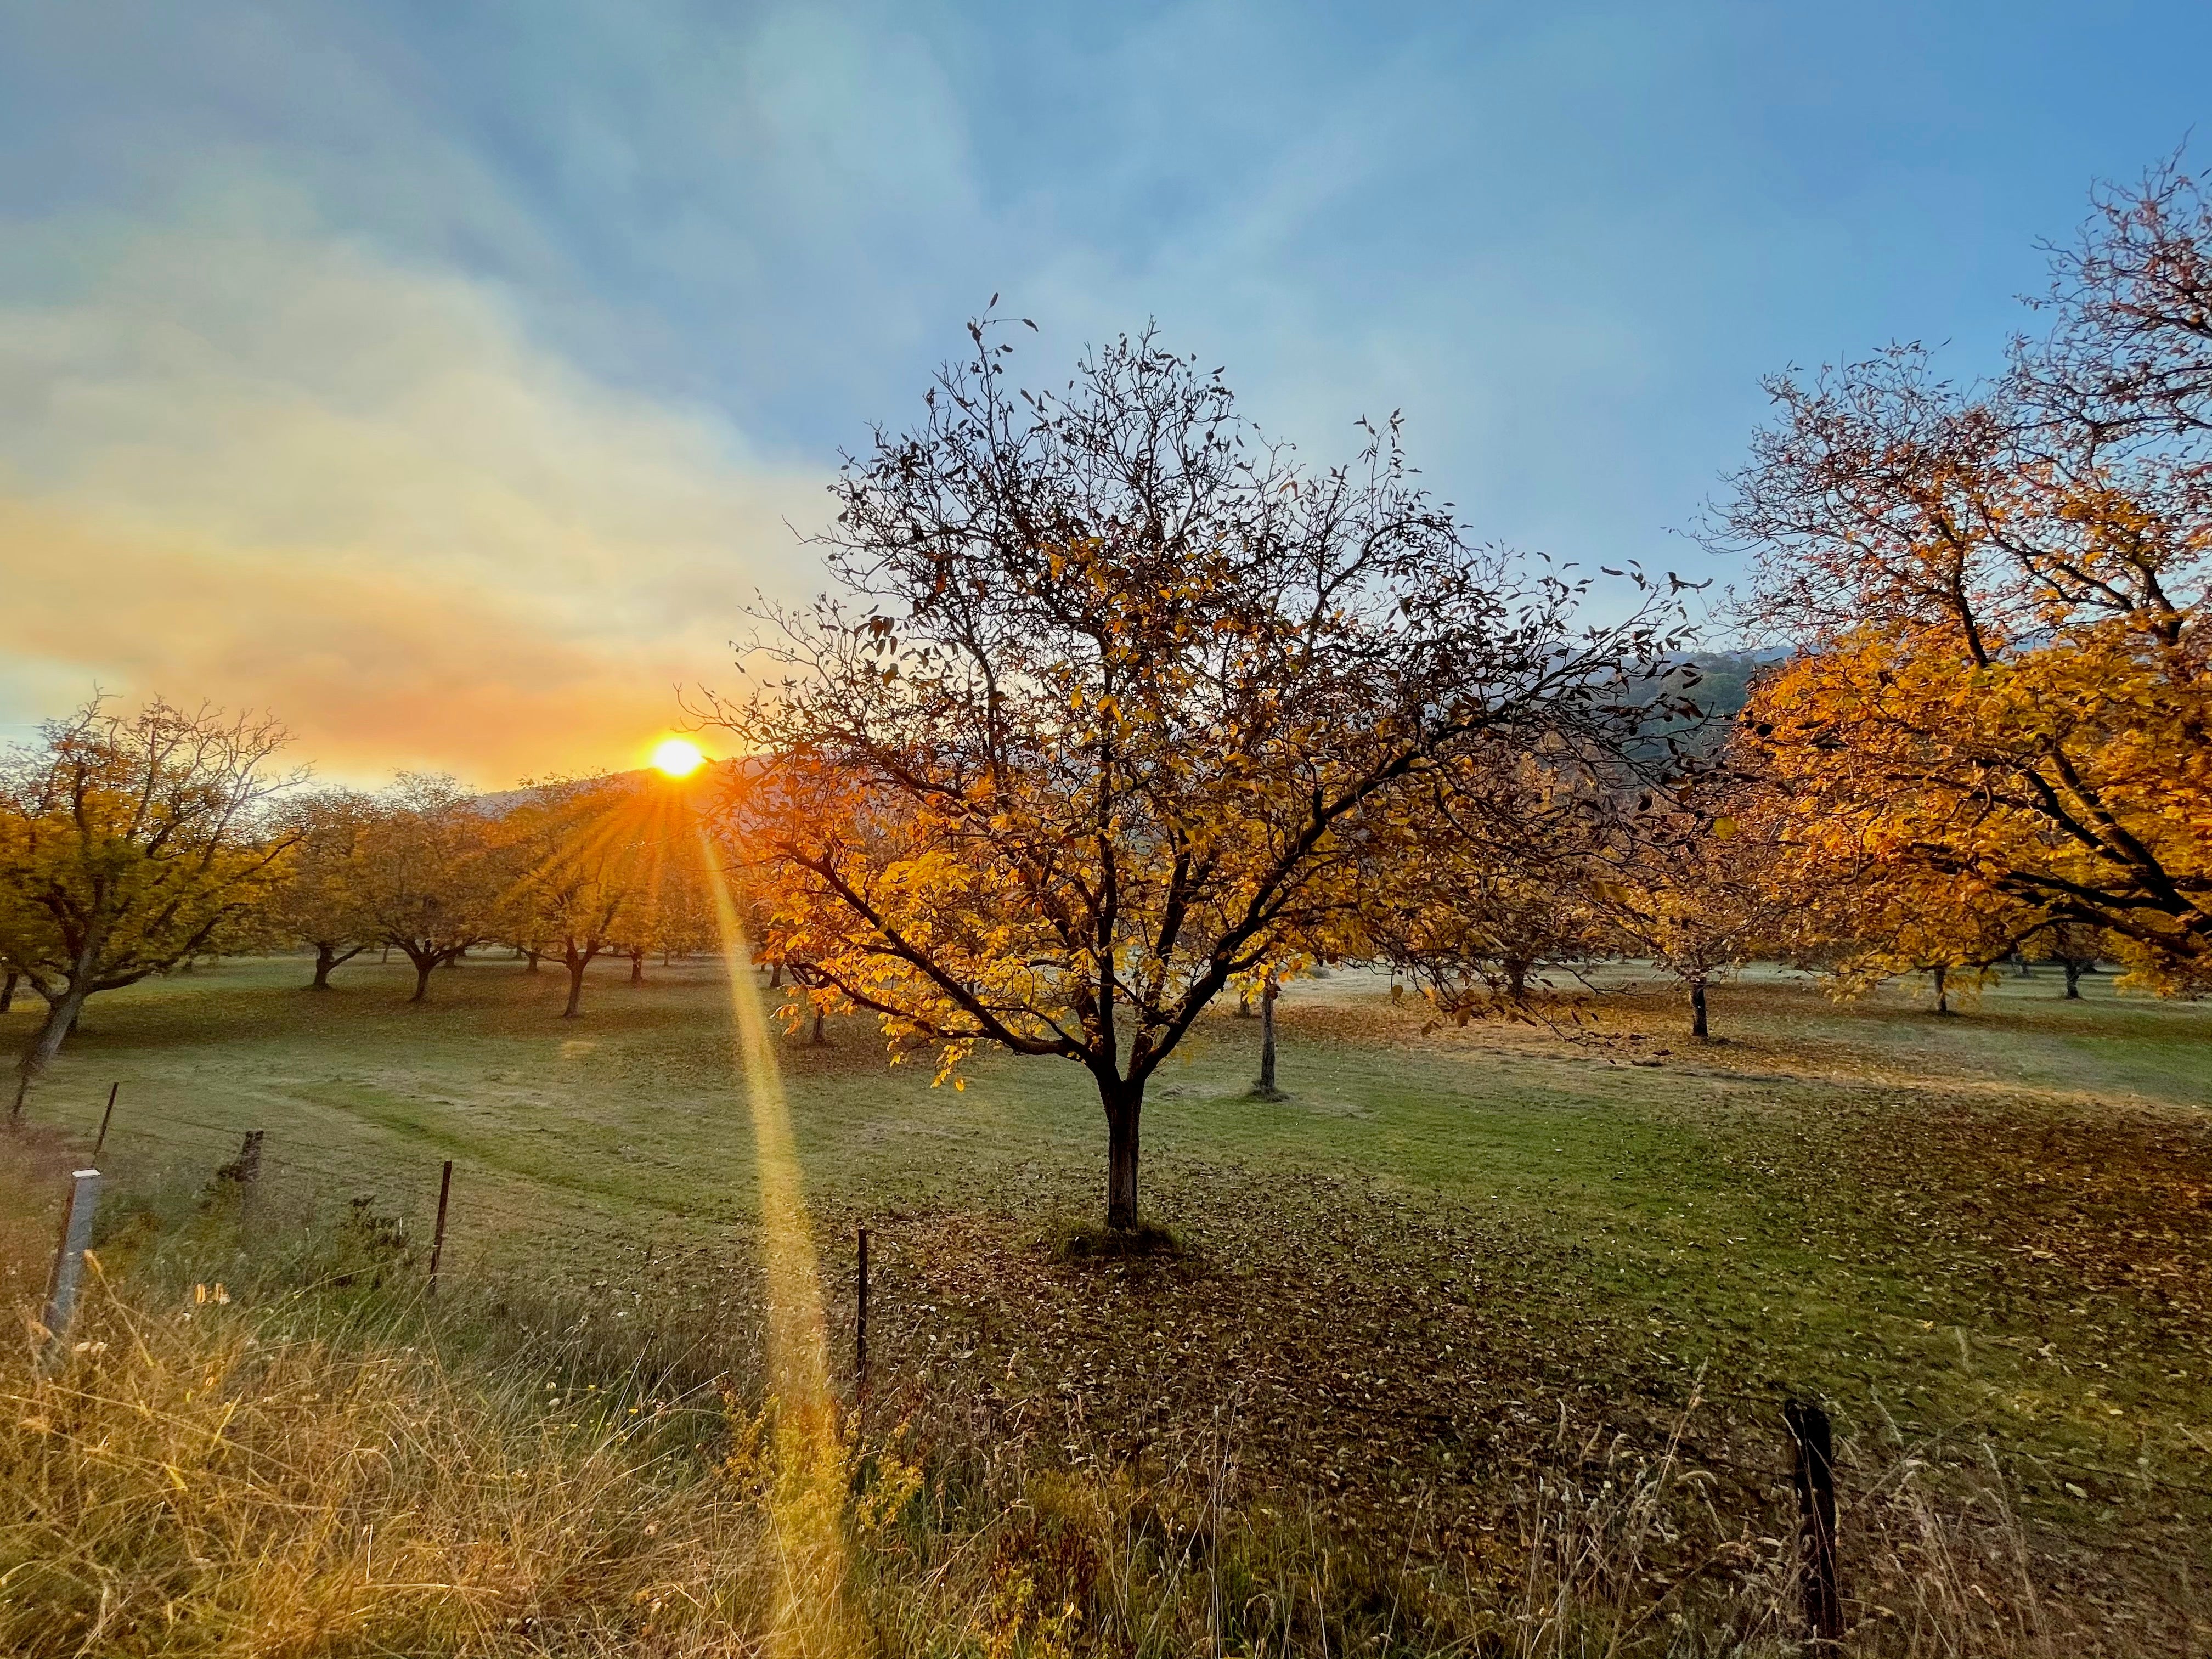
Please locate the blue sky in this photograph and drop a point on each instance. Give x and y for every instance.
(444, 376)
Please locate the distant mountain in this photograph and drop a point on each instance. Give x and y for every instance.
(1723, 679)
(499, 801)
(1718, 684)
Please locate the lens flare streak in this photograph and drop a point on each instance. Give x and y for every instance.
(808, 1500)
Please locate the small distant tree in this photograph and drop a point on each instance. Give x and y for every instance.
(1483, 885)
(683, 914)
(583, 875)
(130, 844)
(1867, 909)
(1469, 931)
(1118, 698)
(433, 876)
(2073, 947)
(1691, 885)
(1953, 934)
(323, 901)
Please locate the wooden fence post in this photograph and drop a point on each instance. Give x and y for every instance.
(104, 1117)
(69, 1260)
(438, 1239)
(1265, 1088)
(1813, 1472)
(860, 1329)
(249, 1181)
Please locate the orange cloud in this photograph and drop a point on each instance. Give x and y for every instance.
(274, 471)
(372, 673)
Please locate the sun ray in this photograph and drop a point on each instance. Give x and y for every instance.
(808, 1503)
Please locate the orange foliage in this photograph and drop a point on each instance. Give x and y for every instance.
(1999, 718)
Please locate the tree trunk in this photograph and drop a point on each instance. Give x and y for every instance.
(8, 992)
(576, 964)
(1266, 1086)
(61, 1019)
(1516, 979)
(1122, 1109)
(637, 967)
(1941, 974)
(2026, 972)
(325, 959)
(819, 1041)
(1698, 1009)
(532, 956)
(2073, 980)
(384, 960)
(423, 967)
(1243, 1005)
(775, 976)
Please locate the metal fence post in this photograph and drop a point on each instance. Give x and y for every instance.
(69, 1260)
(105, 1116)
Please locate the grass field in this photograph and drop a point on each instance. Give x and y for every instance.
(1450, 1263)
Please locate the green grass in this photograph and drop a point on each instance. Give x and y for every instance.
(1993, 1232)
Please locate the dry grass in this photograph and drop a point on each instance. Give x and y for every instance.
(1413, 1386)
(202, 1479)
(310, 1464)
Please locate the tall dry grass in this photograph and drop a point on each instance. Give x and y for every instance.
(315, 1461)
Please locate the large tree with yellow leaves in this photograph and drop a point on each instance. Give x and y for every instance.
(131, 842)
(1999, 714)
(1118, 705)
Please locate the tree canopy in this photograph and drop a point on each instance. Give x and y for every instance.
(1999, 706)
(129, 843)
(432, 879)
(323, 899)
(1117, 702)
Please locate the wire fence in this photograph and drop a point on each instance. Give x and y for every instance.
(501, 1220)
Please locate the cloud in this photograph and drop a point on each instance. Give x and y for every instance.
(246, 460)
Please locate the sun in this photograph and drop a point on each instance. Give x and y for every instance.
(677, 757)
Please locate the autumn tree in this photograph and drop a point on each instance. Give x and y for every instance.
(586, 855)
(323, 902)
(1689, 882)
(682, 912)
(1480, 888)
(433, 876)
(2073, 947)
(1997, 597)
(1116, 695)
(1866, 914)
(131, 843)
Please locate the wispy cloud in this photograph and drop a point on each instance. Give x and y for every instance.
(275, 467)
(472, 356)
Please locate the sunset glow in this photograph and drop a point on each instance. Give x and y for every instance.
(677, 757)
